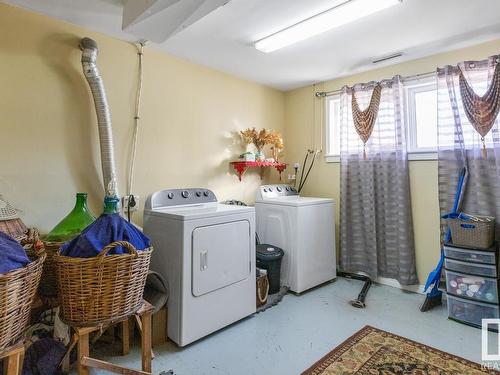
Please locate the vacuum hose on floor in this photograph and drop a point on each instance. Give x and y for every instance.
(360, 301)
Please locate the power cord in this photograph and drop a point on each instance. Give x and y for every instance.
(131, 199)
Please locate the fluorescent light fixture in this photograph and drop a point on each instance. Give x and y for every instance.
(342, 14)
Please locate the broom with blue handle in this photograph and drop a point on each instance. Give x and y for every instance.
(434, 297)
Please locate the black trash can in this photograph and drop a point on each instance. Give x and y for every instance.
(269, 257)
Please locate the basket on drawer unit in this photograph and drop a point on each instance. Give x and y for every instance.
(473, 231)
(102, 288)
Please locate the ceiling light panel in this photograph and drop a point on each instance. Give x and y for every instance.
(340, 15)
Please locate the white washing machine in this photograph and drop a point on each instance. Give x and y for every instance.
(206, 251)
(304, 228)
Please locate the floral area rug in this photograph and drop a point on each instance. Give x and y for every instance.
(372, 351)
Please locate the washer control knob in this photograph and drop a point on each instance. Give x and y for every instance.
(170, 195)
(206, 193)
(265, 190)
(270, 189)
(288, 188)
(198, 193)
(279, 189)
(185, 194)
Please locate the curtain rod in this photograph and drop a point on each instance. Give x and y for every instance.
(322, 94)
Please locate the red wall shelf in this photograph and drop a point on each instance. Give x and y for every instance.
(241, 166)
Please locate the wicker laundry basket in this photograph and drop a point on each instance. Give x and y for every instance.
(17, 292)
(102, 288)
(48, 282)
(14, 228)
(476, 232)
(47, 288)
(262, 290)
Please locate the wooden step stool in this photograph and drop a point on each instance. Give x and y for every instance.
(13, 357)
(81, 339)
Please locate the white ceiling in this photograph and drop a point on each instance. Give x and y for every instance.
(224, 39)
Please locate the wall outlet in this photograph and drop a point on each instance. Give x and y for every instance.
(125, 203)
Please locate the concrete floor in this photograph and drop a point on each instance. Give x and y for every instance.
(289, 337)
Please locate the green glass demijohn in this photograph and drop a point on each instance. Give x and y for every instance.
(74, 223)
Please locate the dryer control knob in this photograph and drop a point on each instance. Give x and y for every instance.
(265, 190)
(198, 193)
(288, 188)
(170, 195)
(185, 194)
(279, 189)
(206, 193)
(270, 189)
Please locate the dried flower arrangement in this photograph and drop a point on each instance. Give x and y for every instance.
(258, 138)
(277, 141)
(263, 137)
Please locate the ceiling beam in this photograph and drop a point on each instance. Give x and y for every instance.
(157, 20)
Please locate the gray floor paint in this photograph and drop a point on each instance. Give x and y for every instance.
(289, 337)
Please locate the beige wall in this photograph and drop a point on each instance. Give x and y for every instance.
(304, 131)
(49, 145)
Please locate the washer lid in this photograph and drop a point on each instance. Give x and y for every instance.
(295, 200)
(198, 211)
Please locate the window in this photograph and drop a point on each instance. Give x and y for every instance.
(333, 125)
(421, 116)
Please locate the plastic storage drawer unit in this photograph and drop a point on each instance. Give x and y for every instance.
(479, 288)
(488, 270)
(471, 255)
(471, 312)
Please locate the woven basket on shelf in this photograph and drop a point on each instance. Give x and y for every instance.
(102, 288)
(477, 233)
(17, 291)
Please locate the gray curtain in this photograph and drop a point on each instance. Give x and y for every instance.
(460, 145)
(376, 231)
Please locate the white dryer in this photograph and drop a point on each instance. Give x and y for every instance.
(206, 251)
(304, 228)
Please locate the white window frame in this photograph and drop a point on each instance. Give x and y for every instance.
(330, 158)
(410, 89)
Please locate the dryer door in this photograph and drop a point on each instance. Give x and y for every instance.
(221, 256)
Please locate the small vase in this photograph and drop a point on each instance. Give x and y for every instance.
(275, 154)
(259, 156)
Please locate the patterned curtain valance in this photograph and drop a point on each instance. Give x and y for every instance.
(481, 111)
(365, 120)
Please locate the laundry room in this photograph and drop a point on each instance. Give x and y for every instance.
(249, 187)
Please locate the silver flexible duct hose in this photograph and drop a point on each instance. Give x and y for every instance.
(89, 58)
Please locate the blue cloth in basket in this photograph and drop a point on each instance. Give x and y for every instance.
(106, 229)
(12, 254)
